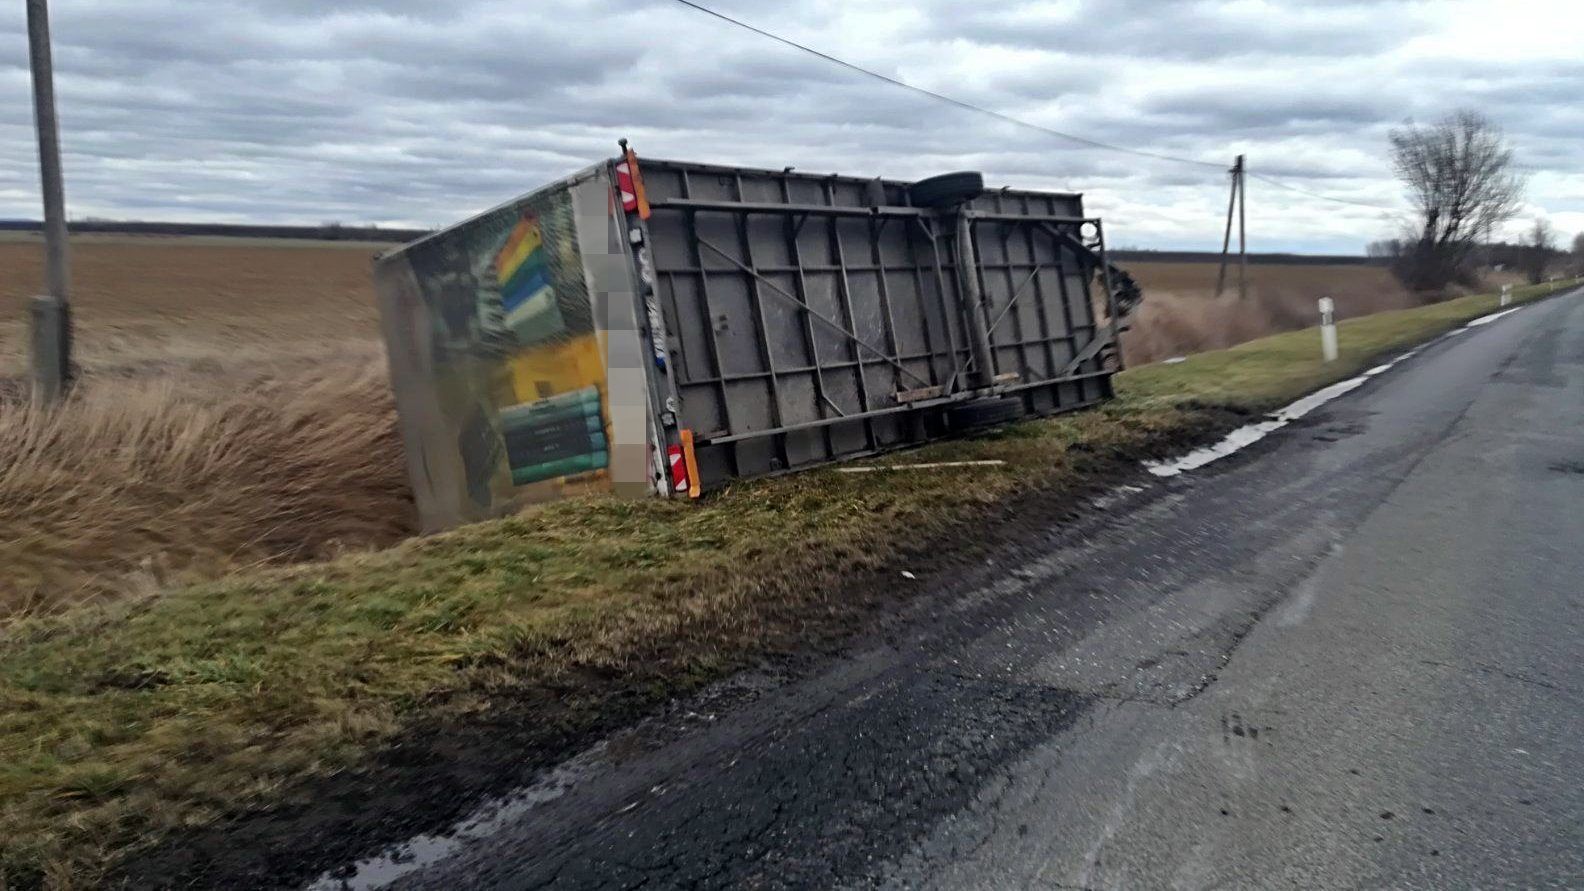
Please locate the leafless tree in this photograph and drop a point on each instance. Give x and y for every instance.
(1384, 249)
(1538, 245)
(1459, 177)
(1578, 246)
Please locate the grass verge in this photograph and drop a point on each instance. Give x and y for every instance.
(127, 724)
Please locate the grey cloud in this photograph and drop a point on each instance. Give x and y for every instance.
(1282, 108)
(407, 111)
(1189, 30)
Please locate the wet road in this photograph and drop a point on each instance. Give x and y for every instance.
(1352, 656)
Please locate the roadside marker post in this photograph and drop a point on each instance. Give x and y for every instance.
(1328, 333)
(1506, 296)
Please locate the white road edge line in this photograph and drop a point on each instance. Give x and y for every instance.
(1486, 320)
(1247, 435)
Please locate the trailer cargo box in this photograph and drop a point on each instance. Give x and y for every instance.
(666, 329)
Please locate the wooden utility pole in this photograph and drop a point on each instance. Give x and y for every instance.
(1235, 203)
(1242, 192)
(51, 311)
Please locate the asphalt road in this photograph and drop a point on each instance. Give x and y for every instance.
(1351, 656)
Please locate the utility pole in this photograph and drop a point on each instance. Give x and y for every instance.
(1235, 203)
(51, 311)
(1242, 191)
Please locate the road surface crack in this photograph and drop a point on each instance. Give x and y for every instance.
(1493, 671)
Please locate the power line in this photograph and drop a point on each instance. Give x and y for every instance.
(1292, 188)
(1093, 143)
(979, 109)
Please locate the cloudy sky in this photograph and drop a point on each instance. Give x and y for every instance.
(418, 112)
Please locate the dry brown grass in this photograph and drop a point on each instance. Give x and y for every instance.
(1182, 315)
(136, 483)
(233, 410)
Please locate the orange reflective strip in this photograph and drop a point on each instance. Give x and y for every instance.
(638, 184)
(692, 463)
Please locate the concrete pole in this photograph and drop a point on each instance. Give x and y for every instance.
(52, 311)
(1506, 295)
(1328, 331)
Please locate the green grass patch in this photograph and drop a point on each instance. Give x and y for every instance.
(121, 725)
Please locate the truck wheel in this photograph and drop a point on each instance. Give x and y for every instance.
(946, 189)
(984, 412)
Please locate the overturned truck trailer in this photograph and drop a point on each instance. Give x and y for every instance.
(666, 329)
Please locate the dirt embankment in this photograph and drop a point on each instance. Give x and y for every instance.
(151, 304)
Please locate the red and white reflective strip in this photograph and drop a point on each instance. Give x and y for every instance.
(679, 477)
(624, 184)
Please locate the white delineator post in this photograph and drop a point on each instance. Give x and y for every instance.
(1328, 337)
(1506, 296)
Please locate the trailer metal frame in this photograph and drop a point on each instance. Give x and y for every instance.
(784, 348)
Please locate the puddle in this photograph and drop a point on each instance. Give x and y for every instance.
(421, 851)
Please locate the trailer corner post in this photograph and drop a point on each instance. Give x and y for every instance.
(1113, 312)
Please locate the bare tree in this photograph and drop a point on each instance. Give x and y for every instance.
(1460, 180)
(1537, 250)
(1578, 247)
(1384, 249)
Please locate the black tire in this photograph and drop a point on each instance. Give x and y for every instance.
(946, 189)
(984, 413)
(1126, 291)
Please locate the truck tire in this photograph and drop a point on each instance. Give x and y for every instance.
(1126, 292)
(946, 189)
(984, 413)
